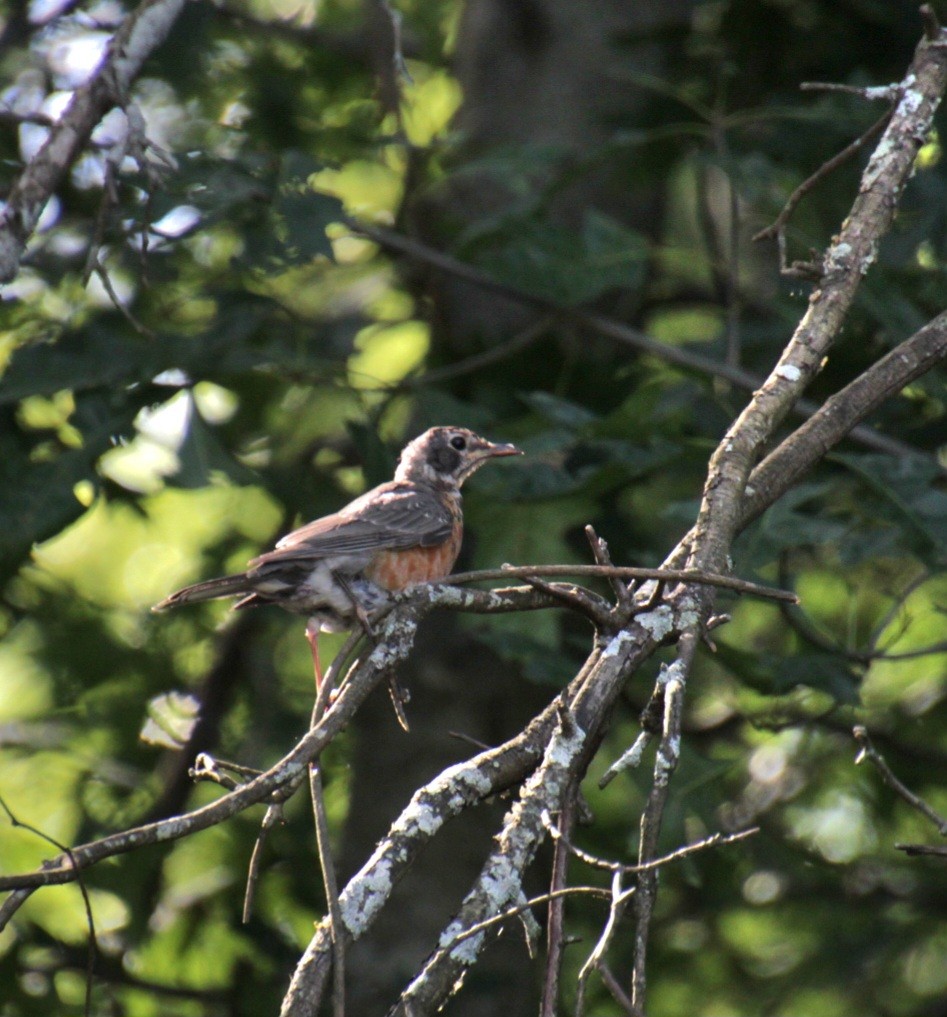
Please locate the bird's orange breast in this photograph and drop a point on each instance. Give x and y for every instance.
(395, 570)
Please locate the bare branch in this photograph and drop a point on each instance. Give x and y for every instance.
(398, 637)
(869, 752)
(327, 866)
(455, 789)
(664, 765)
(777, 229)
(722, 510)
(500, 882)
(630, 572)
(871, 93)
(555, 914)
(809, 443)
(140, 34)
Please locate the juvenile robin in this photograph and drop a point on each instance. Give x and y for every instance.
(337, 570)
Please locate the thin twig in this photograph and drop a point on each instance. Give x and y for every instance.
(398, 63)
(932, 29)
(325, 690)
(272, 816)
(93, 946)
(613, 986)
(603, 559)
(869, 752)
(512, 912)
(630, 572)
(923, 849)
(873, 93)
(449, 372)
(577, 598)
(620, 898)
(628, 760)
(778, 226)
(665, 764)
(332, 890)
(713, 840)
(555, 936)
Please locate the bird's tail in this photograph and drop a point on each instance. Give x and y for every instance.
(212, 589)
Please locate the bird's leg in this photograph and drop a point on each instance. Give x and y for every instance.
(360, 614)
(312, 634)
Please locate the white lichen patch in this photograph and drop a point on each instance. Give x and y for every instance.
(466, 950)
(878, 162)
(475, 781)
(563, 748)
(365, 895)
(418, 817)
(616, 644)
(687, 618)
(657, 623)
(869, 258)
(910, 103)
(632, 758)
(671, 673)
(789, 372)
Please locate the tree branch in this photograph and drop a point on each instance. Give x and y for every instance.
(500, 883)
(807, 445)
(140, 34)
(707, 546)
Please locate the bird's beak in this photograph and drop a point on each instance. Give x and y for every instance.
(492, 449)
(483, 451)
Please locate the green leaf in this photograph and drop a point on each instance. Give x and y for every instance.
(560, 411)
(37, 497)
(201, 455)
(303, 213)
(822, 671)
(556, 263)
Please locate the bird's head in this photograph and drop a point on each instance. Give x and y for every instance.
(446, 456)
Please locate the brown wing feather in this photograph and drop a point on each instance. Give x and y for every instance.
(392, 517)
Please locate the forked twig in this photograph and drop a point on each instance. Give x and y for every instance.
(868, 751)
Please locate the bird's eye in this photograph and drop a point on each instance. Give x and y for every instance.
(458, 442)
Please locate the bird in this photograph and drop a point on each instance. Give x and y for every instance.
(338, 570)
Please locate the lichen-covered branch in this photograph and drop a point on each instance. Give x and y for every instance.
(824, 430)
(455, 789)
(721, 514)
(397, 639)
(500, 883)
(844, 264)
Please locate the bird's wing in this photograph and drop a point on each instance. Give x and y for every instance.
(389, 518)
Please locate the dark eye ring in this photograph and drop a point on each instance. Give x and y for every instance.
(458, 442)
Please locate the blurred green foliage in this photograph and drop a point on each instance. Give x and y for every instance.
(266, 364)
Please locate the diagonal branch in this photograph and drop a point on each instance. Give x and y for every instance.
(455, 789)
(841, 412)
(500, 883)
(140, 34)
(721, 513)
(398, 637)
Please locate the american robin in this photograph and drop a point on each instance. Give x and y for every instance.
(336, 570)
